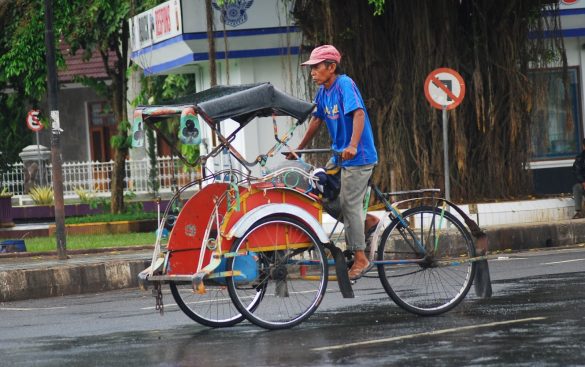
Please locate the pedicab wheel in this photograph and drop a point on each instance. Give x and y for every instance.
(429, 262)
(214, 308)
(290, 266)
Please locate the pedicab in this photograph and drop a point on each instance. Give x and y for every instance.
(246, 247)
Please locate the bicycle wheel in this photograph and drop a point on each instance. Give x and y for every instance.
(426, 267)
(291, 267)
(214, 308)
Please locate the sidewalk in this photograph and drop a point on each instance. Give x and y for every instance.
(26, 277)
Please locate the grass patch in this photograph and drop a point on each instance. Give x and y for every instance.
(41, 244)
(108, 217)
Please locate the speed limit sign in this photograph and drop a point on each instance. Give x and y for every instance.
(33, 122)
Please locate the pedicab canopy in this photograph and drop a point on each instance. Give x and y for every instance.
(241, 103)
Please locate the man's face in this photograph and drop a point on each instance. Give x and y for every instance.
(322, 73)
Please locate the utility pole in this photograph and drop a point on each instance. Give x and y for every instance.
(52, 88)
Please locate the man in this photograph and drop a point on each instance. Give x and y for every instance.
(579, 187)
(341, 107)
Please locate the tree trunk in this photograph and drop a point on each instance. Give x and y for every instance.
(119, 105)
(118, 175)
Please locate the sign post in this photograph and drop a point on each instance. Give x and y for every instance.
(445, 89)
(446, 168)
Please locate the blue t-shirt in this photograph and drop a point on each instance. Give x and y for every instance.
(335, 106)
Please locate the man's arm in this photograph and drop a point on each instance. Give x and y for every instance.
(359, 119)
(314, 126)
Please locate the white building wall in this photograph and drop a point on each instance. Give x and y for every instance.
(258, 136)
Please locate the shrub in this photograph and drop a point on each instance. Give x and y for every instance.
(4, 193)
(42, 195)
(132, 207)
(84, 196)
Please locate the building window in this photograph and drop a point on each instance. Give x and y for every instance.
(556, 132)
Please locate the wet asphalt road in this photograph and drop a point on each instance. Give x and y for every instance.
(535, 318)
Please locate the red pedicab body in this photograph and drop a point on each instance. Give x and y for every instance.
(187, 237)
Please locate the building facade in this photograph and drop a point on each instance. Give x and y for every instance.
(556, 134)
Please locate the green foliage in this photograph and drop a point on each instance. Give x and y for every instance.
(42, 195)
(109, 217)
(85, 196)
(100, 203)
(160, 89)
(190, 152)
(22, 56)
(88, 26)
(4, 193)
(131, 206)
(122, 140)
(41, 244)
(378, 6)
(96, 25)
(15, 136)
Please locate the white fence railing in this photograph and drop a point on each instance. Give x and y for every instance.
(97, 176)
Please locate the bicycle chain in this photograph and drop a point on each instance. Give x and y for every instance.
(157, 294)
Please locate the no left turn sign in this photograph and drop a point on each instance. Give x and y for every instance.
(33, 122)
(444, 88)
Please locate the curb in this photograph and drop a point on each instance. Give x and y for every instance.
(538, 235)
(68, 280)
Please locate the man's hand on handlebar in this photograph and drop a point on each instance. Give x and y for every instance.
(348, 153)
(292, 156)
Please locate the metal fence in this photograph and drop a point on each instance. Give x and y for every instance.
(96, 177)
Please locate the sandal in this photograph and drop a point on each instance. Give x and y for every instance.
(357, 271)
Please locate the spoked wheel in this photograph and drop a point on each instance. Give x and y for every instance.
(289, 265)
(428, 267)
(214, 308)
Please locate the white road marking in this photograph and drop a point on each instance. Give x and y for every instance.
(506, 258)
(562, 262)
(430, 333)
(30, 308)
(154, 307)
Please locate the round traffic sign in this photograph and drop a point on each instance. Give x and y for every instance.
(32, 121)
(444, 88)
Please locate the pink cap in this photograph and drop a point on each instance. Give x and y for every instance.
(323, 53)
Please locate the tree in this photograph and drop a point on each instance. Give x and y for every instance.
(18, 93)
(95, 26)
(101, 26)
(161, 90)
(487, 41)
